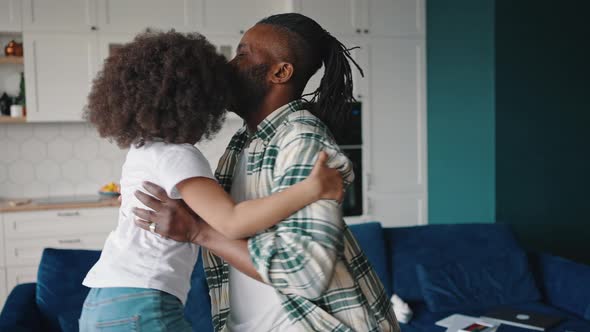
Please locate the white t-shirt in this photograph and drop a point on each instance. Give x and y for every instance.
(254, 306)
(133, 257)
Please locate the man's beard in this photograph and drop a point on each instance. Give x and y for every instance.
(249, 87)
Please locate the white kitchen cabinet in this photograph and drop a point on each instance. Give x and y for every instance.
(59, 69)
(395, 18)
(10, 16)
(394, 127)
(397, 122)
(366, 17)
(233, 17)
(133, 16)
(59, 15)
(3, 287)
(28, 252)
(59, 223)
(24, 236)
(108, 43)
(337, 16)
(20, 275)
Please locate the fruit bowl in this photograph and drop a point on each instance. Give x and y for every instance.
(109, 193)
(110, 189)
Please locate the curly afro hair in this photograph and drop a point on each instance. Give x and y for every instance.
(162, 85)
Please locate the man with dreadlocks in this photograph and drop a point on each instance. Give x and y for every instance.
(307, 273)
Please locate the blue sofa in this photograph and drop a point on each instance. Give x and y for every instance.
(438, 269)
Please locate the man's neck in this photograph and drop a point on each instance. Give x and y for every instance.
(268, 106)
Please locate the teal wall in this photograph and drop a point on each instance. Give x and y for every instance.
(461, 118)
(543, 125)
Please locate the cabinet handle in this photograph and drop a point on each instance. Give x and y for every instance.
(358, 30)
(69, 241)
(68, 214)
(367, 31)
(93, 28)
(359, 97)
(241, 32)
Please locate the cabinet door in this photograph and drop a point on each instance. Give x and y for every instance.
(3, 292)
(339, 17)
(55, 223)
(29, 252)
(20, 275)
(2, 256)
(134, 16)
(59, 15)
(236, 16)
(59, 69)
(226, 45)
(10, 16)
(108, 42)
(397, 118)
(395, 17)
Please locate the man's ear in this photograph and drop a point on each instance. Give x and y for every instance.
(282, 73)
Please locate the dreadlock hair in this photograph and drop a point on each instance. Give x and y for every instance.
(311, 46)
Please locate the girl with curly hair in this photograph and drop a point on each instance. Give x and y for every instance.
(158, 96)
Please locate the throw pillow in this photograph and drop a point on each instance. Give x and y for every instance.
(480, 284)
(439, 244)
(566, 284)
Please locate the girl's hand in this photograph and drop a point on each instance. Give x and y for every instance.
(328, 181)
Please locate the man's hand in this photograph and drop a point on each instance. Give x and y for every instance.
(176, 221)
(172, 217)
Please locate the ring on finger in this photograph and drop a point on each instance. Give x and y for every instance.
(152, 227)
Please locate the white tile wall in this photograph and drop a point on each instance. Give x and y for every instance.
(53, 159)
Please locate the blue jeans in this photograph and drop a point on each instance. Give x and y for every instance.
(132, 309)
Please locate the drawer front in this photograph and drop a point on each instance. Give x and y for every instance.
(3, 292)
(20, 275)
(28, 252)
(23, 225)
(2, 261)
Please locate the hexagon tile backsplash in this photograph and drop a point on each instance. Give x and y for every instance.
(63, 159)
(54, 159)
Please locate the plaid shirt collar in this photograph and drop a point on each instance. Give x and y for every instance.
(268, 127)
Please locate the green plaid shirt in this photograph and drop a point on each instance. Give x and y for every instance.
(322, 277)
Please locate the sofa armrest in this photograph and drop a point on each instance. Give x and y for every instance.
(20, 311)
(564, 283)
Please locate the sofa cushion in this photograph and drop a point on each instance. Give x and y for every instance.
(370, 239)
(59, 284)
(477, 284)
(565, 284)
(440, 244)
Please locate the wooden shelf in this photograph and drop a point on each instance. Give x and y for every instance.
(9, 119)
(17, 60)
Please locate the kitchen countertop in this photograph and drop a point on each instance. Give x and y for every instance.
(57, 203)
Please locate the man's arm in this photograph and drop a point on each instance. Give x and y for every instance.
(175, 220)
(300, 255)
